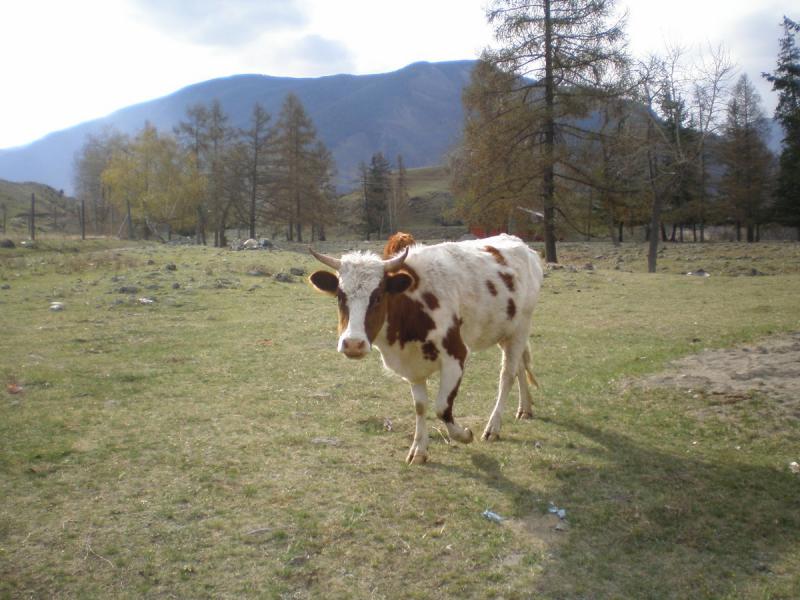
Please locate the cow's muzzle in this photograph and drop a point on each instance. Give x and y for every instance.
(354, 348)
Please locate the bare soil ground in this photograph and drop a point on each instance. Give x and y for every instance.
(768, 369)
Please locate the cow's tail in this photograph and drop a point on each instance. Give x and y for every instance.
(526, 362)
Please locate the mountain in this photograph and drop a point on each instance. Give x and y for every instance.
(415, 111)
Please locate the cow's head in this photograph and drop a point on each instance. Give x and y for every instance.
(362, 287)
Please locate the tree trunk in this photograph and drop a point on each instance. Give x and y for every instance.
(130, 221)
(548, 178)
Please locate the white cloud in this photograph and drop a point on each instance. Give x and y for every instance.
(220, 22)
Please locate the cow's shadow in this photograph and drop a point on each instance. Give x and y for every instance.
(730, 522)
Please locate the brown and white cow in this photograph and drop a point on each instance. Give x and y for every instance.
(426, 307)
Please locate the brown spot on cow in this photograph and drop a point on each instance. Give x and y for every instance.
(396, 243)
(431, 300)
(511, 308)
(508, 279)
(430, 351)
(453, 343)
(376, 311)
(447, 415)
(498, 256)
(407, 320)
(492, 288)
(344, 311)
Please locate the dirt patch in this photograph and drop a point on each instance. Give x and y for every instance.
(769, 369)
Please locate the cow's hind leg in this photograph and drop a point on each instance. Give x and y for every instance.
(418, 453)
(524, 375)
(512, 357)
(451, 372)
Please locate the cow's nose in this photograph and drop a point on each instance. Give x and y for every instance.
(354, 348)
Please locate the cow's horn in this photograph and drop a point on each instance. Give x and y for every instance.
(333, 263)
(393, 264)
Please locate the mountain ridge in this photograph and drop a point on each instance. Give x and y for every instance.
(415, 111)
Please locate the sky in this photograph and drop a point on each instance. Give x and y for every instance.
(66, 62)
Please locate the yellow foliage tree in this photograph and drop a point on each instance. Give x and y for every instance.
(154, 183)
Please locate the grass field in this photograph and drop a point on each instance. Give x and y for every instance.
(212, 444)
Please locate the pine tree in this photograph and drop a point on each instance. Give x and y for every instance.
(378, 194)
(786, 81)
(744, 155)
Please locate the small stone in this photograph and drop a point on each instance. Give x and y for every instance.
(297, 272)
(171, 267)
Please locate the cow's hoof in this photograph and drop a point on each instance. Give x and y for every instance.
(490, 436)
(464, 436)
(416, 458)
(469, 436)
(524, 414)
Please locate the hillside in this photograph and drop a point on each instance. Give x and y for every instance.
(415, 111)
(54, 212)
(426, 217)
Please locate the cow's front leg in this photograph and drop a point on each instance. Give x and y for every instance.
(418, 453)
(451, 373)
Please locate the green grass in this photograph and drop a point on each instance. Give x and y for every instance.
(213, 444)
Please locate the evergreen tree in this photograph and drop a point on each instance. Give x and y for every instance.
(786, 81)
(378, 193)
(399, 204)
(744, 155)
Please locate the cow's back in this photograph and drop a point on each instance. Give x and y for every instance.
(491, 285)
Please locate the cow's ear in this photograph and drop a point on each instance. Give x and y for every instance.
(398, 282)
(325, 281)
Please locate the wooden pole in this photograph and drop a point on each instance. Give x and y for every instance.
(33, 217)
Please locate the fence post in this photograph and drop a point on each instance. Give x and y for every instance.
(33, 217)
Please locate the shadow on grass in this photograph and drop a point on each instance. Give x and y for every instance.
(652, 523)
(649, 523)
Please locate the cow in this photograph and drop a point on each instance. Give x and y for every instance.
(425, 308)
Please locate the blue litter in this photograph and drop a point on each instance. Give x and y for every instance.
(493, 516)
(562, 514)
